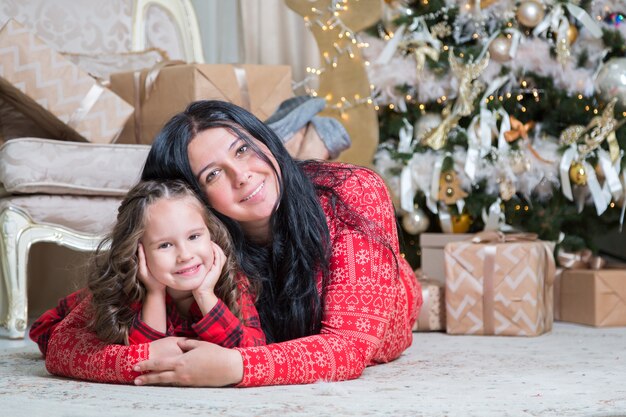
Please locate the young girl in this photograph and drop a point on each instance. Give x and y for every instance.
(165, 270)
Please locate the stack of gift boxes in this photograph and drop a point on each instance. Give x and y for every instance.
(69, 104)
(492, 283)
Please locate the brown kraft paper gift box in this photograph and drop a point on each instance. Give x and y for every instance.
(170, 87)
(499, 284)
(54, 92)
(591, 297)
(432, 259)
(432, 316)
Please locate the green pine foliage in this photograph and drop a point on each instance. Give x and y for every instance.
(536, 100)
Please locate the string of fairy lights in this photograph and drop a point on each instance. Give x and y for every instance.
(347, 43)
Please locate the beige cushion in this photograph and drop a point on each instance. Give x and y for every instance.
(34, 165)
(90, 215)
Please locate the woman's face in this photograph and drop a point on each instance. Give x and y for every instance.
(236, 181)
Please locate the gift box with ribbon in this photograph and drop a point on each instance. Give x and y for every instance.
(166, 89)
(61, 98)
(432, 259)
(499, 284)
(432, 315)
(586, 291)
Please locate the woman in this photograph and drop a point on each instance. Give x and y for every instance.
(317, 241)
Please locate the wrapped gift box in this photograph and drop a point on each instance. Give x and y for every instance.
(61, 98)
(432, 315)
(159, 93)
(432, 259)
(592, 297)
(499, 287)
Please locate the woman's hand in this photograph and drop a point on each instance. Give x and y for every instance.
(203, 364)
(143, 273)
(205, 293)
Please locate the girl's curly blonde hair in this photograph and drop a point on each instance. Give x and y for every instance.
(113, 281)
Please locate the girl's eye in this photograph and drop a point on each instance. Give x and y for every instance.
(165, 245)
(194, 236)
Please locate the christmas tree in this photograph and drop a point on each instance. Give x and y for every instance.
(500, 114)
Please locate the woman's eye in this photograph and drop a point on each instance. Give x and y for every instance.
(242, 149)
(211, 176)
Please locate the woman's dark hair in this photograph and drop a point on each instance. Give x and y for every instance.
(283, 273)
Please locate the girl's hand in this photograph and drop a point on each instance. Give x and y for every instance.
(205, 293)
(143, 273)
(203, 364)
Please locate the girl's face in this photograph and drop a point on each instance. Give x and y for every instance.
(237, 182)
(177, 243)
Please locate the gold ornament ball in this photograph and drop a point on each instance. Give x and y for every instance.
(416, 222)
(461, 223)
(577, 174)
(499, 49)
(572, 33)
(530, 13)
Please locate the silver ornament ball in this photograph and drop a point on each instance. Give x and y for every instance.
(530, 13)
(611, 80)
(416, 222)
(499, 49)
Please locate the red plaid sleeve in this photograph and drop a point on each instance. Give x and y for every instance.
(222, 327)
(140, 332)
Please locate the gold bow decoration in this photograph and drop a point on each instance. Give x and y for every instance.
(518, 129)
(600, 128)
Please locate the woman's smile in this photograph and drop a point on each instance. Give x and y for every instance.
(255, 192)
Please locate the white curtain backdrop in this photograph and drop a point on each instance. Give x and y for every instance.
(256, 32)
(220, 28)
(275, 35)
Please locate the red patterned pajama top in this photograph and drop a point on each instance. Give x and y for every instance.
(371, 300)
(70, 317)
